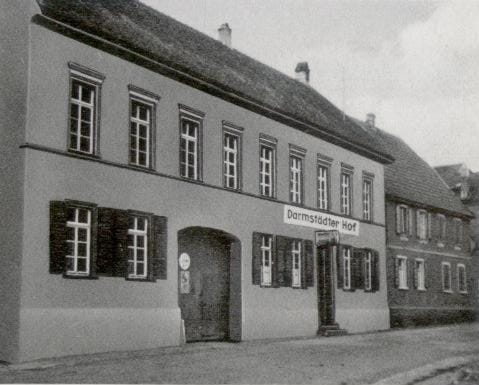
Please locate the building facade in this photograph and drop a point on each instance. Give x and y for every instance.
(149, 198)
(428, 242)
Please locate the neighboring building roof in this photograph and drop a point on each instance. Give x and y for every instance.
(411, 179)
(147, 32)
(458, 176)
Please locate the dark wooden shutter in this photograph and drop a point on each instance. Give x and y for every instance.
(94, 242)
(410, 273)
(339, 266)
(120, 236)
(288, 265)
(411, 221)
(159, 258)
(375, 273)
(357, 278)
(426, 279)
(308, 263)
(414, 274)
(105, 241)
(58, 237)
(396, 272)
(256, 260)
(418, 224)
(398, 219)
(281, 245)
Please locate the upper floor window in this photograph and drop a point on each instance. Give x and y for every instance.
(446, 276)
(422, 224)
(461, 278)
(78, 241)
(190, 143)
(137, 247)
(231, 158)
(266, 260)
(458, 229)
(346, 193)
(296, 251)
(267, 166)
(419, 274)
(401, 272)
(403, 223)
(323, 186)
(442, 228)
(295, 179)
(367, 199)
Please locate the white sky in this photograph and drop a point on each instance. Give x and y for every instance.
(415, 64)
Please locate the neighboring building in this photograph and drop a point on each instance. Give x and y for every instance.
(465, 184)
(429, 262)
(157, 182)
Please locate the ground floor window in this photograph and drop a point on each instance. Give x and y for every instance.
(296, 251)
(346, 267)
(266, 260)
(137, 247)
(401, 272)
(78, 241)
(446, 276)
(461, 278)
(419, 274)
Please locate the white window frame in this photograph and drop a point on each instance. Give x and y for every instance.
(459, 267)
(185, 140)
(402, 272)
(442, 222)
(228, 151)
(266, 260)
(458, 233)
(367, 199)
(422, 225)
(404, 220)
(135, 234)
(267, 189)
(297, 260)
(135, 138)
(420, 273)
(346, 192)
(76, 225)
(448, 265)
(368, 270)
(346, 267)
(323, 186)
(296, 170)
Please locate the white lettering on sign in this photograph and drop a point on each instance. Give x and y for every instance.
(317, 220)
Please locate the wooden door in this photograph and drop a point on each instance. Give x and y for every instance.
(326, 285)
(205, 308)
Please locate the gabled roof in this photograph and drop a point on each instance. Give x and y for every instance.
(153, 35)
(411, 179)
(451, 174)
(455, 176)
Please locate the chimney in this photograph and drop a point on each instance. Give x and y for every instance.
(224, 34)
(302, 72)
(371, 120)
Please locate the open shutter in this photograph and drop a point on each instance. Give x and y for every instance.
(288, 262)
(418, 224)
(58, 237)
(308, 263)
(281, 245)
(160, 250)
(120, 235)
(398, 219)
(94, 242)
(414, 274)
(426, 279)
(411, 222)
(410, 273)
(256, 260)
(105, 241)
(375, 273)
(339, 266)
(429, 226)
(396, 272)
(357, 277)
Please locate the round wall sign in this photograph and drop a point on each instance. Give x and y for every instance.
(184, 261)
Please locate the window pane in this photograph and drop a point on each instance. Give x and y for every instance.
(140, 254)
(70, 248)
(82, 235)
(82, 249)
(82, 215)
(87, 94)
(86, 114)
(74, 110)
(140, 241)
(71, 215)
(85, 144)
(140, 269)
(81, 263)
(75, 90)
(70, 264)
(85, 128)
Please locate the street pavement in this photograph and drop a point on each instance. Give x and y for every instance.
(346, 360)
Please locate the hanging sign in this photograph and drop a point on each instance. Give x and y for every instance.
(322, 221)
(326, 237)
(184, 261)
(185, 286)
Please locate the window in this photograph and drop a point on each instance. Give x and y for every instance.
(442, 229)
(422, 225)
(267, 166)
(190, 143)
(367, 199)
(345, 193)
(461, 278)
(266, 260)
(346, 267)
(401, 272)
(446, 276)
(419, 275)
(323, 187)
(296, 251)
(137, 247)
(402, 220)
(458, 237)
(296, 179)
(84, 101)
(78, 241)
(141, 116)
(231, 152)
(368, 266)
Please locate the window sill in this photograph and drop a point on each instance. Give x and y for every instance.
(447, 291)
(421, 289)
(464, 292)
(403, 238)
(423, 241)
(403, 288)
(84, 154)
(440, 244)
(457, 248)
(140, 167)
(139, 279)
(78, 276)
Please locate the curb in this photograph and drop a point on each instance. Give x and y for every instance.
(425, 372)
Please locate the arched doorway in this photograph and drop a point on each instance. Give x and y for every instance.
(209, 284)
